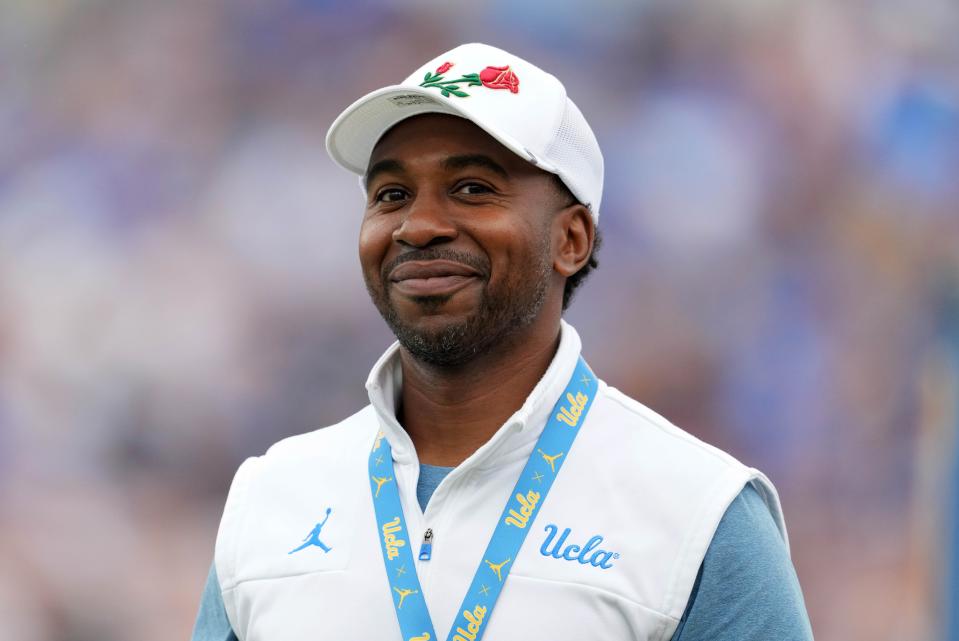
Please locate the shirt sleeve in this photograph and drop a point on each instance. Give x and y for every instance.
(211, 621)
(747, 589)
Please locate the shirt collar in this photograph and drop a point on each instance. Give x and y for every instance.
(522, 428)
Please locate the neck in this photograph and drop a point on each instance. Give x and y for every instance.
(449, 412)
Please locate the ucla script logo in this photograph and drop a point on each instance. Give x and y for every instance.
(475, 619)
(527, 505)
(589, 554)
(570, 415)
(391, 541)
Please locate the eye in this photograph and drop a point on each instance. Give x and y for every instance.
(472, 189)
(391, 195)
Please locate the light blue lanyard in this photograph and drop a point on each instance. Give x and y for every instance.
(551, 451)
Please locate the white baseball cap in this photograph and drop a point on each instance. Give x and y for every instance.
(514, 101)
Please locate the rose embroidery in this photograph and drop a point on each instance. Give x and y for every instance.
(491, 78)
(500, 78)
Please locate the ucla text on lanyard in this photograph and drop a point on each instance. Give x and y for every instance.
(554, 445)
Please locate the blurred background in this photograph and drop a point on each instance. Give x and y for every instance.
(179, 285)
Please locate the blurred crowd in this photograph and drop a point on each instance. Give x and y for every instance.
(179, 285)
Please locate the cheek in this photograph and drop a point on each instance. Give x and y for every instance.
(374, 242)
(517, 255)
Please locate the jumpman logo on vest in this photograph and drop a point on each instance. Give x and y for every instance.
(403, 594)
(313, 538)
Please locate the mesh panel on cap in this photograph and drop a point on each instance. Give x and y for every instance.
(575, 153)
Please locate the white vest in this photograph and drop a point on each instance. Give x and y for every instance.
(613, 553)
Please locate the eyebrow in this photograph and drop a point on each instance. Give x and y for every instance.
(462, 161)
(475, 160)
(383, 166)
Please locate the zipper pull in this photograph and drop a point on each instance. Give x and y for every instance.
(426, 549)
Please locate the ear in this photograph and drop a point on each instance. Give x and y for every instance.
(573, 235)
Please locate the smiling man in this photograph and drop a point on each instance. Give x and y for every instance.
(494, 487)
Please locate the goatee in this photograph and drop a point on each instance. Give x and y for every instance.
(499, 315)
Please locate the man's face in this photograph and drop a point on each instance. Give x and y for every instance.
(455, 241)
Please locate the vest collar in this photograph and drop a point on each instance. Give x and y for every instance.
(515, 437)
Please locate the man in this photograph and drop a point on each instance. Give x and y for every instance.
(493, 485)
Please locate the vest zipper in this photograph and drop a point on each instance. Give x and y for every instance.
(426, 549)
(438, 517)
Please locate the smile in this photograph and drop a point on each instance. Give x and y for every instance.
(432, 278)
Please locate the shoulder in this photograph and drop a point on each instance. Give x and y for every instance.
(356, 431)
(656, 453)
(747, 588)
(324, 448)
(746, 519)
(747, 537)
(642, 434)
(677, 487)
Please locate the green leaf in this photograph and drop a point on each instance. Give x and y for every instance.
(426, 78)
(455, 92)
(446, 94)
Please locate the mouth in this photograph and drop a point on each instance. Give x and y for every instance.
(432, 277)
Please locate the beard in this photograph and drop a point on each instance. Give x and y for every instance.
(500, 314)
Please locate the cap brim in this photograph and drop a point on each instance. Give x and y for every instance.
(355, 132)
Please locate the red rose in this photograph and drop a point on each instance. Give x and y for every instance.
(443, 68)
(500, 78)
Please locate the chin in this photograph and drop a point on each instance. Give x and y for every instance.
(440, 341)
(453, 329)
(429, 311)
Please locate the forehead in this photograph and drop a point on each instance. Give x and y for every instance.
(431, 138)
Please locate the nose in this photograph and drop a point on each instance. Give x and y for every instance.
(426, 223)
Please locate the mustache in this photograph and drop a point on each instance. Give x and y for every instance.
(478, 263)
